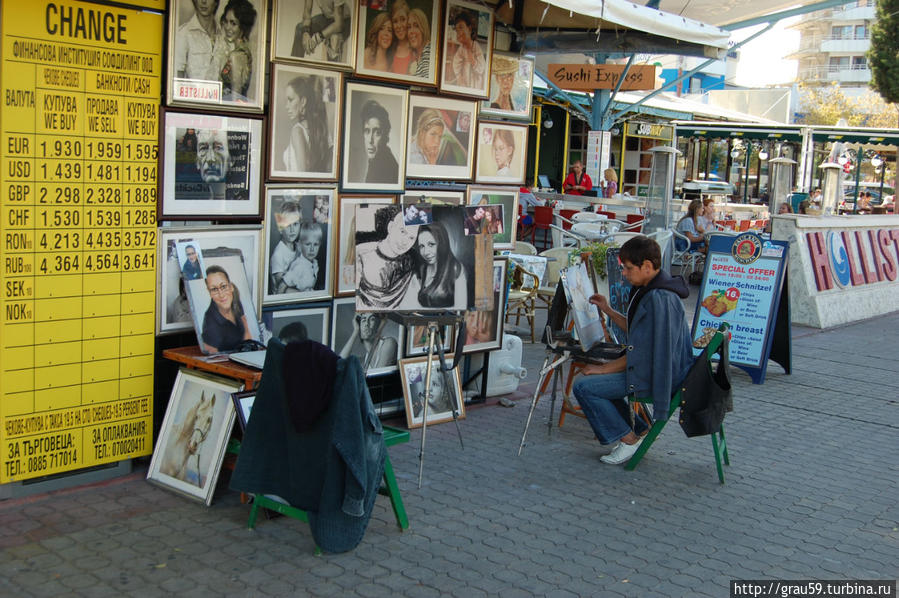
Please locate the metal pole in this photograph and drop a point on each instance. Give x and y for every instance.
(746, 178)
(859, 156)
(424, 410)
(883, 170)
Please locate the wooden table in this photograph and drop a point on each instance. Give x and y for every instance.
(194, 359)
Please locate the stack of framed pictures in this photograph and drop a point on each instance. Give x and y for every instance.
(284, 190)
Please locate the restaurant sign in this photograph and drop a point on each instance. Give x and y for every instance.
(587, 77)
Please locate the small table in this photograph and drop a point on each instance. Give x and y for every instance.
(194, 359)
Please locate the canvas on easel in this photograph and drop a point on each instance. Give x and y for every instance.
(586, 316)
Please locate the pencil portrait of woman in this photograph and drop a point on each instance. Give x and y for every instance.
(439, 279)
(437, 146)
(420, 43)
(398, 41)
(305, 108)
(467, 47)
(237, 22)
(225, 325)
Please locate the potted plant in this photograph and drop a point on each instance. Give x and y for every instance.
(594, 255)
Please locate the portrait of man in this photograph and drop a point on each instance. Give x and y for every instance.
(191, 269)
(200, 47)
(217, 166)
(213, 155)
(373, 137)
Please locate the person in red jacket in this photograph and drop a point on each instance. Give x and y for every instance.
(577, 181)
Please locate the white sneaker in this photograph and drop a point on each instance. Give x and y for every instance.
(622, 453)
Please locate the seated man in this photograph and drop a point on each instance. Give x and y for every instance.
(658, 356)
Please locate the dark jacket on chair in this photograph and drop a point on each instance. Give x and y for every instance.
(332, 470)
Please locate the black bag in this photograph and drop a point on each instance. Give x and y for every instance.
(706, 395)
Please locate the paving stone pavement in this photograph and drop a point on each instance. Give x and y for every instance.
(811, 493)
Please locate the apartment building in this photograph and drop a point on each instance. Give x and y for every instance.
(832, 46)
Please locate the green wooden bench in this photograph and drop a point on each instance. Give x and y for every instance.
(719, 444)
(390, 489)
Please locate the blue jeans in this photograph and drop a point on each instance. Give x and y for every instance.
(603, 400)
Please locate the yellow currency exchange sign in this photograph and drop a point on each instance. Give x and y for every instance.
(80, 111)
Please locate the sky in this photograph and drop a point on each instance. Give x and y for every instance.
(762, 60)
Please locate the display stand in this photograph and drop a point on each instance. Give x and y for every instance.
(560, 351)
(434, 322)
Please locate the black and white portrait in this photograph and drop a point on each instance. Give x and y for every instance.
(373, 133)
(305, 120)
(297, 325)
(298, 235)
(371, 337)
(345, 270)
(318, 31)
(413, 268)
(212, 166)
(442, 198)
(441, 138)
(445, 392)
(217, 52)
(176, 248)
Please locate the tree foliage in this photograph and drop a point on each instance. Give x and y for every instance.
(827, 104)
(883, 56)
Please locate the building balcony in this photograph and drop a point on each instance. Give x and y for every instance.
(854, 13)
(825, 74)
(842, 45)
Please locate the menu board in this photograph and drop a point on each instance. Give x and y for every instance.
(80, 108)
(741, 286)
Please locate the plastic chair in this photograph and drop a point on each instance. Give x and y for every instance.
(567, 218)
(607, 214)
(524, 248)
(685, 258)
(744, 225)
(543, 218)
(719, 443)
(633, 219)
(558, 259)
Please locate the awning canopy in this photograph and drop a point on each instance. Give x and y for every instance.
(856, 135)
(609, 26)
(725, 12)
(738, 131)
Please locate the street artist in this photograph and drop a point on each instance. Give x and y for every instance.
(659, 352)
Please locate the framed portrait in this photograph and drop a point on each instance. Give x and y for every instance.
(305, 123)
(296, 325)
(441, 138)
(441, 198)
(321, 32)
(174, 258)
(243, 406)
(345, 260)
(428, 267)
(374, 144)
(372, 337)
(467, 48)
(446, 391)
(484, 329)
(398, 40)
(212, 167)
(226, 69)
(506, 197)
(221, 305)
(511, 83)
(298, 243)
(194, 434)
(417, 340)
(502, 152)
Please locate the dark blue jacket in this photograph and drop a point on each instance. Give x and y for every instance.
(659, 348)
(333, 470)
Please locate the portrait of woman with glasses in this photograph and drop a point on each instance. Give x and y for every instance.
(225, 324)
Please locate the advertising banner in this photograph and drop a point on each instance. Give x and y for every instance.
(741, 286)
(81, 89)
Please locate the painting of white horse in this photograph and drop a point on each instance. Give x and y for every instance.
(194, 433)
